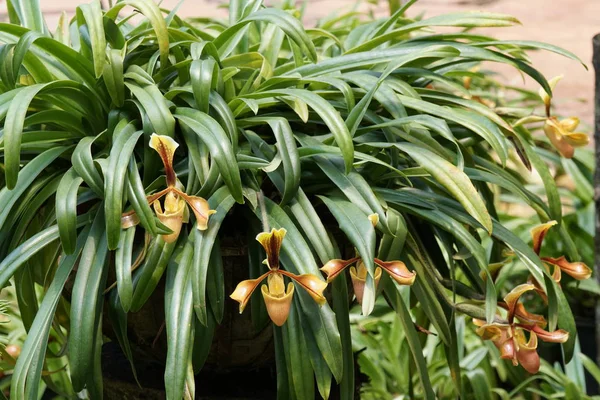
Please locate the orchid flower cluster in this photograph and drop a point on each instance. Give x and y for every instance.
(510, 338)
(278, 300)
(561, 133)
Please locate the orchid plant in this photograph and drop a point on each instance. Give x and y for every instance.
(132, 147)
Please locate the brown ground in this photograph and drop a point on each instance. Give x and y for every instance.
(567, 23)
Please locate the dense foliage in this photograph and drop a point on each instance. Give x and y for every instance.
(131, 138)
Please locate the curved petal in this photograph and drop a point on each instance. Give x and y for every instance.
(200, 208)
(334, 267)
(165, 146)
(172, 217)
(359, 280)
(557, 336)
(398, 271)
(577, 139)
(243, 291)
(278, 308)
(497, 333)
(539, 233)
(271, 242)
(311, 283)
(529, 318)
(512, 298)
(569, 124)
(577, 270)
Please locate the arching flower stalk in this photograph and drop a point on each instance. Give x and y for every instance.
(510, 338)
(561, 133)
(175, 212)
(277, 298)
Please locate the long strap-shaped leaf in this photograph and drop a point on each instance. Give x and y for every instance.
(394, 298)
(8, 198)
(221, 201)
(453, 179)
(151, 11)
(29, 13)
(125, 138)
(211, 133)
(87, 309)
(179, 316)
(66, 209)
(28, 370)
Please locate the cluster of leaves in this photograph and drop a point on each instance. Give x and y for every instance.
(379, 340)
(298, 127)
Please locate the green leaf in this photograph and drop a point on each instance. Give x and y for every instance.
(32, 169)
(298, 365)
(66, 209)
(90, 15)
(211, 133)
(29, 13)
(328, 114)
(287, 151)
(125, 138)
(138, 200)
(28, 370)
(118, 320)
(156, 108)
(146, 277)
(221, 202)
(453, 179)
(394, 298)
(87, 310)
(156, 19)
(179, 316)
(112, 73)
(123, 264)
(83, 163)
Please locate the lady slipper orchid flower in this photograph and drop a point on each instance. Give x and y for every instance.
(277, 298)
(175, 212)
(510, 338)
(561, 133)
(563, 137)
(577, 270)
(396, 269)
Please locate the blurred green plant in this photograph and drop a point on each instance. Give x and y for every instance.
(122, 135)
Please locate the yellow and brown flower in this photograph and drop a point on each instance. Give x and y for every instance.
(578, 270)
(396, 269)
(561, 133)
(277, 298)
(173, 213)
(510, 338)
